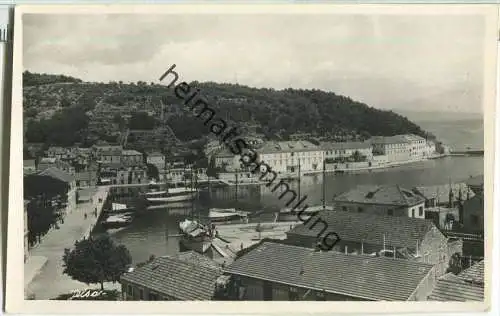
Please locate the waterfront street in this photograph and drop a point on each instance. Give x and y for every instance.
(48, 281)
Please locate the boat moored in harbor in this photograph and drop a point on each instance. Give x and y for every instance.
(117, 221)
(178, 194)
(195, 236)
(227, 216)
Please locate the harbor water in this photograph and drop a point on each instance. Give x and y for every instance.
(155, 232)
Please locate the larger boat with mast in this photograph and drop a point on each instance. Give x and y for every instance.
(181, 193)
(292, 214)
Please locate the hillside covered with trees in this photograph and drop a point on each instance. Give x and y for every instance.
(69, 110)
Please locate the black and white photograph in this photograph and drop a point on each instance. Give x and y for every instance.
(260, 155)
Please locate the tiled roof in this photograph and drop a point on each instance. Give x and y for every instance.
(441, 191)
(176, 278)
(155, 154)
(57, 174)
(347, 145)
(399, 231)
(398, 139)
(387, 195)
(452, 288)
(48, 160)
(369, 278)
(289, 146)
(412, 137)
(196, 258)
(474, 274)
(476, 181)
(86, 175)
(59, 150)
(130, 152)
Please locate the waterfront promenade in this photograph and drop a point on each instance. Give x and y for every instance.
(43, 271)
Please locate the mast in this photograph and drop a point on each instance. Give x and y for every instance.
(236, 191)
(299, 179)
(324, 185)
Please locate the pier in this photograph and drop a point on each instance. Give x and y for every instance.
(236, 237)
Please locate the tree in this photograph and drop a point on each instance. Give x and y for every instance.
(96, 260)
(142, 121)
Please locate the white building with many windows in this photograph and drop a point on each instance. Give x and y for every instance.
(417, 146)
(396, 148)
(347, 150)
(285, 157)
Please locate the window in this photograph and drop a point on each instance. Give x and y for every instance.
(141, 294)
(130, 291)
(293, 294)
(412, 212)
(390, 212)
(421, 211)
(344, 208)
(360, 210)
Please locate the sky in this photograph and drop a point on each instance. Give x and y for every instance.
(427, 63)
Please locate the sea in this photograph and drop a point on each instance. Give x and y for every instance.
(156, 231)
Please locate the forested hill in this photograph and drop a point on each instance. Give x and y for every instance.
(104, 110)
(34, 79)
(309, 111)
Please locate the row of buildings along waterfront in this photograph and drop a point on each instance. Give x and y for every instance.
(108, 164)
(286, 156)
(392, 249)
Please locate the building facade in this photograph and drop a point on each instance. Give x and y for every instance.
(288, 157)
(381, 200)
(156, 159)
(29, 166)
(396, 148)
(347, 151)
(417, 146)
(131, 157)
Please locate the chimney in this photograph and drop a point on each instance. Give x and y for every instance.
(317, 247)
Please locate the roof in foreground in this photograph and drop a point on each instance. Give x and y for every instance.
(369, 278)
(180, 278)
(396, 231)
(474, 274)
(388, 195)
(452, 288)
(442, 192)
(53, 172)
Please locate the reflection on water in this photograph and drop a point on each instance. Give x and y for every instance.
(154, 231)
